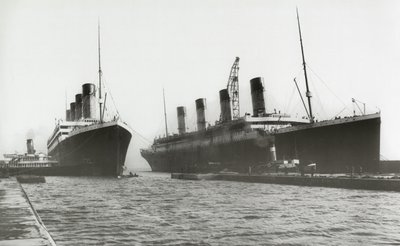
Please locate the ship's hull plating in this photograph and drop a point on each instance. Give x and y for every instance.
(334, 147)
(99, 152)
(233, 156)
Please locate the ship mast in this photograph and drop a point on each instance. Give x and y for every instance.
(308, 93)
(165, 115)
(100, 72)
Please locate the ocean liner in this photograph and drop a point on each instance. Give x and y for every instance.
(85, 143)
(238, 142)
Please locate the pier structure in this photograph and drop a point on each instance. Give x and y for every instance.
(19, 223)
(347, 182)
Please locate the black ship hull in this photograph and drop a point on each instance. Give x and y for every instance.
(338, 146)
(234, 156)
(97, 151)
(335, 146)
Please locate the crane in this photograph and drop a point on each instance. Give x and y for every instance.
(233, 89)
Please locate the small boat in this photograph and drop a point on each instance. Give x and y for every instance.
(131, 175)
(30, 179)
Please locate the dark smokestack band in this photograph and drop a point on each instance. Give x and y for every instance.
(181, 111)
(256, 84)
(30, 147)
(225, 103)
(78, 98)
(89, 103)
(224, 95)
(201, 115)
(257, 96)
(200, 103)
(78, 106)
(88, 89)
(68, 115)
(72, 110)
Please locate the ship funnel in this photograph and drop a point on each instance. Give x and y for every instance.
(78, 106)
(72, 110)
(181, 119)
(201, 114)
(225, 102)
(29, 146)
(89, 101)
(257, 96)
(68, 115)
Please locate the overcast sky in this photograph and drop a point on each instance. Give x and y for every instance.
(49, 48)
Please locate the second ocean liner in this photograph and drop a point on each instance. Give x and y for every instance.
(238, 142)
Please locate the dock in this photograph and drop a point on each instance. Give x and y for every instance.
(20, 225)
(347, 182)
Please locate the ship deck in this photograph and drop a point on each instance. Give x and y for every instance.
(329, 123)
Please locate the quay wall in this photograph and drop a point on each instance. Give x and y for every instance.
(384, 184)
(19, 222)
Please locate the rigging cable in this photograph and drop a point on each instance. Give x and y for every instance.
(112, 98)
(142, 137)
(117, 113)
(337, 97)
(339, 113)
(319, 99)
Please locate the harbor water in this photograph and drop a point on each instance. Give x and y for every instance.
(154, 209)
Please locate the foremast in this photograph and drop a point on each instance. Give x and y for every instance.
(165, 115)
(100, 73)
(308, 93)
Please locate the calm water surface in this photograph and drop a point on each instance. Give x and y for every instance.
(155, 209)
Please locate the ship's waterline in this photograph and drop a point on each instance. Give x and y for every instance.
(155, 209)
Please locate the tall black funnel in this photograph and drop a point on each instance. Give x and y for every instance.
(257, 96)
(225, 102)
(30, 147)
(78, 106)
(201, 114)
(89, 101)
(68, 115)
(72, 110)
(181, 111)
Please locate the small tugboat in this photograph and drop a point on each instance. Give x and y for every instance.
(28, 163)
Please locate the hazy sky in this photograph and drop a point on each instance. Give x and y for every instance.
(48, 48)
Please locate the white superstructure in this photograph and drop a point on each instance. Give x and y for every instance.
(63, 130)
